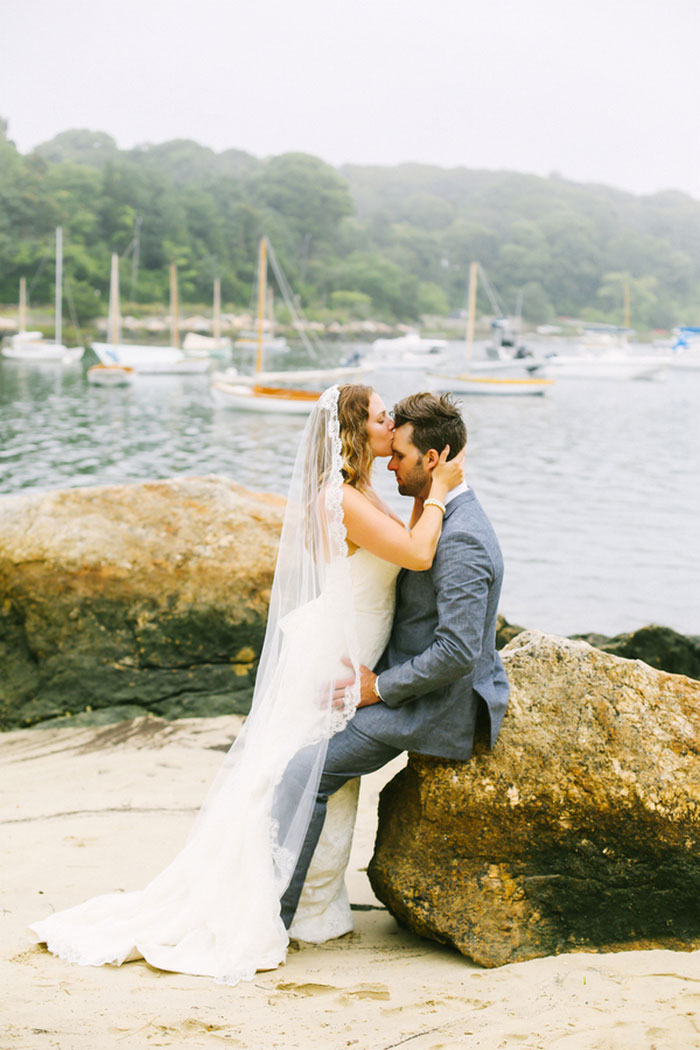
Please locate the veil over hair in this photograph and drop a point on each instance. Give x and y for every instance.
(215, 910)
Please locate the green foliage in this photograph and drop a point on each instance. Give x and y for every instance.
(393, 243)
(431, 300)
(354, 306)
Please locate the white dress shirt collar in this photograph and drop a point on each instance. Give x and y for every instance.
(456, 492)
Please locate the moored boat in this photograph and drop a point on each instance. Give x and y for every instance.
(145, 358)
(607, 365)
(31, 346)
(499, 377)
(489, 385)
(110, 375)
(251, 393)
(259, 398)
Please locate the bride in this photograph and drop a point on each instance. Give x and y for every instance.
(215, 909)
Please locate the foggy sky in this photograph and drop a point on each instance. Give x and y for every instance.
(596, 90)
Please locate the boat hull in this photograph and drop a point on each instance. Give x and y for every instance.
(295, 375)
(408, 362)
(150, 360)
(36, 350)
(612, 367)
(489, 386)
(264, 399)
(110, 375)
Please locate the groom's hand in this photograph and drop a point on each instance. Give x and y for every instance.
(367, 693)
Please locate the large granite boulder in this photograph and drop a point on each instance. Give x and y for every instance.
(580, 830)
(134, 598)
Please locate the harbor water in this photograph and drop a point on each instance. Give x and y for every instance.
(593, 489)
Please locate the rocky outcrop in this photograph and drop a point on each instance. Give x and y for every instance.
(137, 598)
(660, 647)
(506, 632)
(580, 830)
(657, 646)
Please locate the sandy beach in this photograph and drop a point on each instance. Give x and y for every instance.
(94, 810)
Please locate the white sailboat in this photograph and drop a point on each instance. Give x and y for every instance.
(271, 342)
(214, 345)
(504, 378)
(31, 346)
(260, 391)
(145, 358)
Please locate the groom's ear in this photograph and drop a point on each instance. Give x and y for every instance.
(431, 459)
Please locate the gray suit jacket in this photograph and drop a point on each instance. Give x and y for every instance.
(441, 657)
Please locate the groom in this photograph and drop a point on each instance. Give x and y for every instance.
(440, 672)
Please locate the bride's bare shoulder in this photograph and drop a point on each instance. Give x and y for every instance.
(366, 502)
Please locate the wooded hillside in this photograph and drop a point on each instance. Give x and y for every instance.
(392, 243)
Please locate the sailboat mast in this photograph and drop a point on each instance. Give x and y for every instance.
(59, 285)
(271, 313)
(114, 300)
(23, 304)
(174, 310)
(217, 310)
(262, 281)
(473, 270)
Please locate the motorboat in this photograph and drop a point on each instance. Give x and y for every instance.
(407, 352)
(606, 365)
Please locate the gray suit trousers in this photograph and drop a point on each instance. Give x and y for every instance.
(351, 753)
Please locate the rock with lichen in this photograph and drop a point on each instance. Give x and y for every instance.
(581, 830)
(134, 598)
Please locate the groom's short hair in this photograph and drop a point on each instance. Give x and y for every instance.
(436, 421)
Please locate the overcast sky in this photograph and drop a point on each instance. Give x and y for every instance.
(596, 90)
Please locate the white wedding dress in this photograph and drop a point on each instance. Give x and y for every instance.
(214, 911)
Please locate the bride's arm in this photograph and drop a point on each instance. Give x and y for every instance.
(367, 526)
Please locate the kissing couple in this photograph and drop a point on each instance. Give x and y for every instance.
(380, 639)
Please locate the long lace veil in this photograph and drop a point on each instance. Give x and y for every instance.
(215, 909)
(260, 804)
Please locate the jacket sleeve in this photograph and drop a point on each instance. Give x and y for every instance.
(462, 574)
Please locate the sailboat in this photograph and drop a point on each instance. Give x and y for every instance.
(259, 392)
(146, 358)
(213, 345)
(500, 377)
(31, 346)
(271, 342)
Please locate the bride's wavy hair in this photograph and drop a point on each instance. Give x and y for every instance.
(351, 410)
(353, 414)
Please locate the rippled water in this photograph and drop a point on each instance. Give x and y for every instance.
(593, 490)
